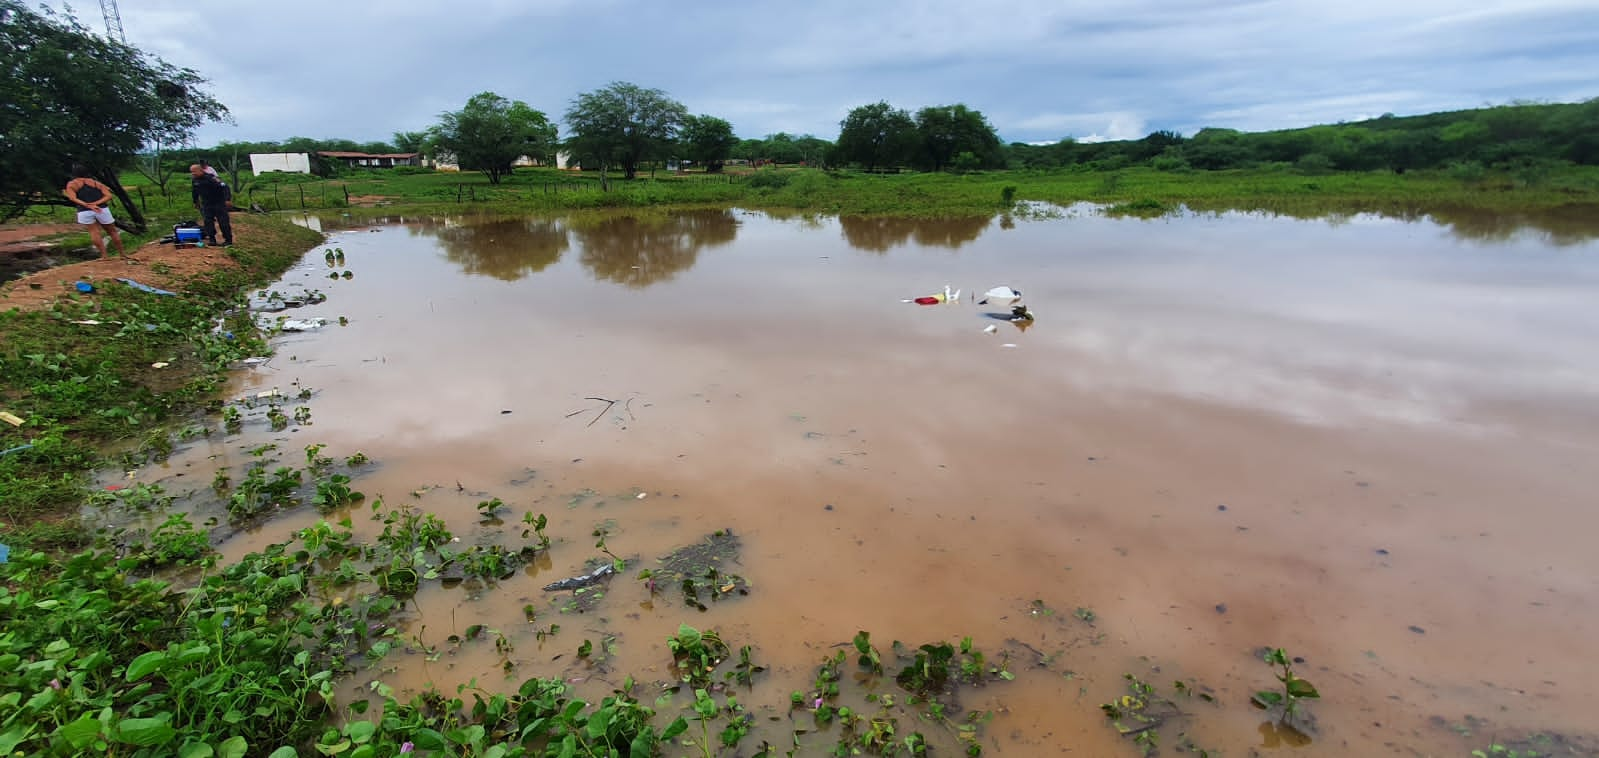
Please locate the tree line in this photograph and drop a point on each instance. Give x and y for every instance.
(1518, 136)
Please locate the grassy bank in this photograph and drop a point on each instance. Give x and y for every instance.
(1144, 191)
(84, 388)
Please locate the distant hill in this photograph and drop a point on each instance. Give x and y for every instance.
(1506, 136)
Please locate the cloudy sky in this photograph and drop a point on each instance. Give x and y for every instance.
(1039, 70)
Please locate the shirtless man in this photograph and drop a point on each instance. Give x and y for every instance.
(92, 196)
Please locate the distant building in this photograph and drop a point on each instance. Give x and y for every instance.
(289, 163)
(372, 160)
(444, 161)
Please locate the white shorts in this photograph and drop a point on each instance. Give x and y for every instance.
(88, 217)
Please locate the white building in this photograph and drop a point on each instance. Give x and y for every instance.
(292, 163)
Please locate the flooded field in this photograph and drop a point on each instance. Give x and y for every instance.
(1368, 442)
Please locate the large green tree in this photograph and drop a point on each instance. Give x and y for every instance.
(69, 96)
(946, 131)
(876, 135)
(623, 125)
(491, 132)
(707, 140)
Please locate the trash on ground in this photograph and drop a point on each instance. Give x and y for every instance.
(1007, 294)
(5, 552)
(582, 580)
(160, 364)
(84, 287)
(255, 361)
(88, 322)
(145, 287)
(937, 297)
(990, 329)
(10, 418)
(16, 449)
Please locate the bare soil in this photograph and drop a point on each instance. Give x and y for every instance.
(153, 263)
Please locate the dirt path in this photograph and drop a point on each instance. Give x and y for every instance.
(153, 263)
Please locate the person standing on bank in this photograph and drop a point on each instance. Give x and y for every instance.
(91, 196)
(211, 199)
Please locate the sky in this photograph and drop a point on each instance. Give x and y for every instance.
(1039, 70)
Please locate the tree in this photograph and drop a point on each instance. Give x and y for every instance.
(707, 140)
(490, 133)
(410, 142)
(623, 125)
(876, 135)
(946, 131)
(71, 96)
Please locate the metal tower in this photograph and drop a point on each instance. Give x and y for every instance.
(113, 21)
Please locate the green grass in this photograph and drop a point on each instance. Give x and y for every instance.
(1276, 189)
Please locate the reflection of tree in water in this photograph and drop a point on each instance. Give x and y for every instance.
(638, 252)
(504, 249)
(879, 234)
(1562, 226)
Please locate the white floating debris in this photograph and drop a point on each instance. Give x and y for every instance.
(303, 324)
(1009, 344)
(990, 329)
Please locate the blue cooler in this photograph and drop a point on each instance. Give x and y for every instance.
(187, 236)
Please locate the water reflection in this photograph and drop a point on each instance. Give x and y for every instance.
(504, 249)
(878, 235)
(639, 251)
(1563, 226)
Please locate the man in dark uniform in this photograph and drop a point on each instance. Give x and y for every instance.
(211, 199)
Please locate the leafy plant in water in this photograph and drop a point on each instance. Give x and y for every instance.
(487, 508)
(696, 654)
(334, 492)
(1294, 689)
(536, 525)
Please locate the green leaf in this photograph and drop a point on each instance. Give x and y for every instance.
(428, 739)
(196, 750)
(1300, 688)
(688, 636)
(145, 664)
(233, 747)
(675, 728)
(11, 739)
(1268, 698)
(498, 751)
(146, 732)
(79, 733)
(360, 732)
(335, 748)
(285, 752)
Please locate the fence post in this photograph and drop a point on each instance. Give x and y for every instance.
(302, 196)
(277, 204)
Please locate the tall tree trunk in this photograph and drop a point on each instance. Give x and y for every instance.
(135, 218)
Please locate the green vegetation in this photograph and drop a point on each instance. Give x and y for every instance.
(623, 125)
(1526, 140)
(491, 133)
(74, 96)
(80, 376)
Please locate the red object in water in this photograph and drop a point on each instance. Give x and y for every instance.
(928, 300)
(113, 487)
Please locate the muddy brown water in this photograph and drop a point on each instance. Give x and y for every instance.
(1369, 442)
